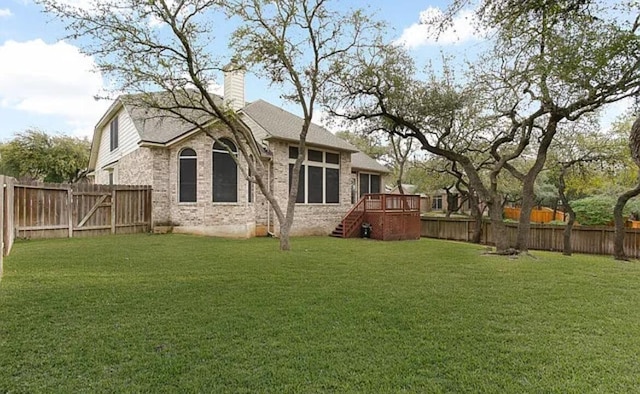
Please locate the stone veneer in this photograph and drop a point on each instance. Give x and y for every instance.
(158, 167)
(309, 219)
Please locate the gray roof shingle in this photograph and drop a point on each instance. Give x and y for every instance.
(280, 124)
(159, 126)
(360, 161)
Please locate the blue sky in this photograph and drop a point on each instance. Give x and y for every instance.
(48, 84)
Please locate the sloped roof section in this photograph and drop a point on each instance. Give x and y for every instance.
(360, 161)
(280, 124)
(159, 126)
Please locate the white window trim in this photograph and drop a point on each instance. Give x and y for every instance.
(180, 158)
(306, 163)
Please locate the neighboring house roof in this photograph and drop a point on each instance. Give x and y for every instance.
(280, 124)
(360, 161)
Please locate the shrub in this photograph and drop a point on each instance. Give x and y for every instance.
(598, 210)
(594, 211)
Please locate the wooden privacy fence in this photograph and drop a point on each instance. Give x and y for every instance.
(584, 239)
(43, 210)
(544, 215)
(47, 210)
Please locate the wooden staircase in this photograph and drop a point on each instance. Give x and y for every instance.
(349, 227)
(338, 232)
(396, 216)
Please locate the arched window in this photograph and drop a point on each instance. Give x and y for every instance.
(187, 179)
(225, 172)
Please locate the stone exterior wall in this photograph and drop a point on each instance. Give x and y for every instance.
(161, 200)
(310, 219)
(136, 168)
(205, 216)
(159, 167)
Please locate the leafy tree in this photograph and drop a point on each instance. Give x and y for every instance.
(36, 155)
(164, 45)
(370, 143)
(634, 146)
(551, 63)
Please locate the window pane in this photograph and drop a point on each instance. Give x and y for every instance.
(188, 182)
(293, 152)
(333, 185)
(315, 185)
(300, 197)
(222, 145)
(188, 152)
(113, 129)
(315, 155)
(225, 178)
(250, 187)
(364, 184)
(375, 184)
(333, 158)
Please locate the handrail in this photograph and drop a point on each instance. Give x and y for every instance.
(354, 215)
(353, 219)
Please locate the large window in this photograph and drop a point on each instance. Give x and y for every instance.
(187, 176)
(225, 172)
(113, 133)
(369, 183)
(319, 178)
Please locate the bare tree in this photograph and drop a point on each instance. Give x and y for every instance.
(165, 45)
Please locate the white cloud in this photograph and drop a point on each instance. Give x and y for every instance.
(5, 13)
(51, 79)
(464, 27)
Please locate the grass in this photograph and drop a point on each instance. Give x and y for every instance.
(171, 313)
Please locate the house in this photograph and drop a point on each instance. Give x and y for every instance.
(197, 186)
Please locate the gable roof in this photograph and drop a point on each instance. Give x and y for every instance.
(361, 161)
(283, 125)
(266, 121)
(155, 126)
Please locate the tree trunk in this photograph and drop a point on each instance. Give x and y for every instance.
(476, 214)
(524, 223)
(566, 235)
(634, 146)
(498, 228)
(285, 230)
(528, 195)
(618, 244)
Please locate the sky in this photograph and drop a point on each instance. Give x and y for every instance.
(47, 83)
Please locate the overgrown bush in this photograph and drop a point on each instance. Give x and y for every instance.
(598, 210)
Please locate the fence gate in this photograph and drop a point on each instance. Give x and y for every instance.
(58, 210)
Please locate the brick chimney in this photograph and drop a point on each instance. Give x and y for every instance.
(234, 86)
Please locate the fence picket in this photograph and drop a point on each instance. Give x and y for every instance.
(584, 239)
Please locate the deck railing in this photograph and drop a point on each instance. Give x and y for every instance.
(377, 202)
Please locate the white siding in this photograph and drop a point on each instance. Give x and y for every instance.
(128, 139)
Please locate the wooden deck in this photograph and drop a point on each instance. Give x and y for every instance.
(391, 217)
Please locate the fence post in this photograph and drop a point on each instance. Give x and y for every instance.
(2, 219)
(70, 210)
(113, 210)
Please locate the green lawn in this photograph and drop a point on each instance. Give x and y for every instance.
(171, 313)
